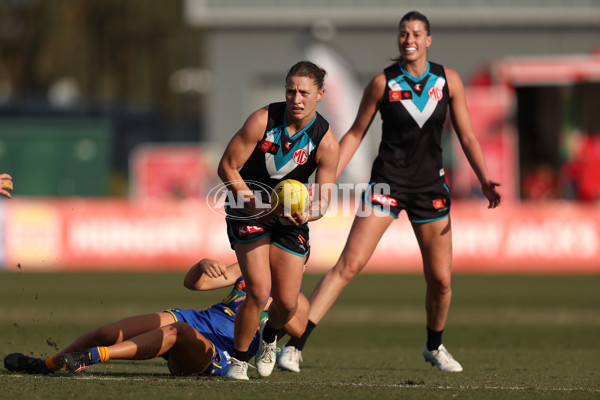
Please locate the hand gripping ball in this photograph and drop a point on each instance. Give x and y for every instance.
(292, 194)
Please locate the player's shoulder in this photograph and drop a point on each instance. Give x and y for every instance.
(329, 143)
(257, 121)
(378, 79)
(455, 84)
(392, 68)
(439, 69)
(262, 112)
(376, 87)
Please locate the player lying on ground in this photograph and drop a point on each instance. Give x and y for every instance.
(193, 342)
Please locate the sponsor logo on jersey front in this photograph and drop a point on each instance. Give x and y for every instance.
(280, 163)
(436, 93)
(419, 107)
(300, 156)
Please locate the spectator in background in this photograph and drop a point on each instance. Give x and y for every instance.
(581, 172)
(7, 185)
(540, 183)
(588, 168)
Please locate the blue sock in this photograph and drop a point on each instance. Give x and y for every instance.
(95, 355)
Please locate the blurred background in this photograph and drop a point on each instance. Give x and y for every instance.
(114, 114)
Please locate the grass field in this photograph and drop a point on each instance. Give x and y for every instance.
(518, 337)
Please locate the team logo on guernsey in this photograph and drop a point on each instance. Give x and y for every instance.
(383, 199)
(419, 107)
(248, 229)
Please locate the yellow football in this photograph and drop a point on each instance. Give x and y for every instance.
(292, 194)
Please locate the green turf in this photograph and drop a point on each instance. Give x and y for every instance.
(518, 337)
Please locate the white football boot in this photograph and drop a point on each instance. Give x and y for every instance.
(238, 370)
(266, 354)
(442, 359)
(289, 359)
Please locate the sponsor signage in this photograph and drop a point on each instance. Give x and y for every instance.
(74, 234)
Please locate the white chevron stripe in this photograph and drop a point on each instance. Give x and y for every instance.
(275, 173)
(421, 117)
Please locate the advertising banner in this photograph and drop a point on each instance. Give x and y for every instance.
(77, 234)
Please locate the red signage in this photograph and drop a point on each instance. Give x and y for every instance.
(69, 234)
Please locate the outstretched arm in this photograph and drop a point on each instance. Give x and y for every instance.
(470, 145)
(210, 274)
(369, 104)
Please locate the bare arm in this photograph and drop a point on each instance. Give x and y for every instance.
(328, 156)
(369, 105)
(210, 274)
(238, 151)
(461, 121)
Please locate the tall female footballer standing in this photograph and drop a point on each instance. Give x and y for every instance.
(412, 96)
(286, 140)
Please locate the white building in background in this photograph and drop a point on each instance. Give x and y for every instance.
(250, 44)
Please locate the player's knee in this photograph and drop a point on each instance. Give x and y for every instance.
(286, 305)
(440, 285)
(180, 329)
(347, 269)
(258, 296)
(106, 335)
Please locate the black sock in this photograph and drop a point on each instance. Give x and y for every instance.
(241, 355)
(301, 341)
(268, 333)
(434, 339)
